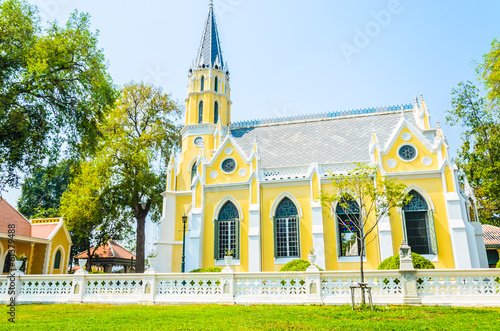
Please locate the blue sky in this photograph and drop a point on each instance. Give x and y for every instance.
(289, 57)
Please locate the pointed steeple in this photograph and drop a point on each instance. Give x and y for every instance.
(210, 52)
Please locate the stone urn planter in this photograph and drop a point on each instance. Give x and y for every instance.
(82, 263)
(228, 259)
(18, 264)
(152, 262)
(312, 258)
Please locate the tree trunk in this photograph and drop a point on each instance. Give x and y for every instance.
(141, 238)
(362, 289)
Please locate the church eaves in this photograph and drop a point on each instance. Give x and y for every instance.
(210, 52)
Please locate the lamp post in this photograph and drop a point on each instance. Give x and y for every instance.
(183, 263)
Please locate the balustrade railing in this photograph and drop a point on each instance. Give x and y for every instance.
(447, 287)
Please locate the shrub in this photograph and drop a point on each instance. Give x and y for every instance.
(297, 265)
(498, 264)
(211, 269)
(419, 262)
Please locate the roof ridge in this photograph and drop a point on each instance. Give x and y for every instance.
(319, 116)
(17, 211)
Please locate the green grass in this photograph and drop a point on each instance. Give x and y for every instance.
(214, 317)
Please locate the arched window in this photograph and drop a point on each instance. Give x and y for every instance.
(202, 84)
(194, 170)
(8, 262)
(349, 227)
(216, 112)
(216, 84)
(200, 112)
(286, 230)
(227, 232)
(418, 223)
(57, 260)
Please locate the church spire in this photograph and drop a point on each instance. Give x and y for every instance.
(210, 52)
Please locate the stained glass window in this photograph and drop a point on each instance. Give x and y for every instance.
(286, 229)
(349, 227)
(416, 217)
(227, 231)
(228, 165)
(407, 152)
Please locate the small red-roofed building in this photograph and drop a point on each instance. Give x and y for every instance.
(491, 235)
(109, 255)
(45, 242)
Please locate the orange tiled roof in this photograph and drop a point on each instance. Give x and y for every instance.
(491, 235)
(42, 231)
(9, 215)
(110, 250)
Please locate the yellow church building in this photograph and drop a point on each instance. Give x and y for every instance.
(253, 186)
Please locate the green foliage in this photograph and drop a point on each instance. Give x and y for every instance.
(297, 265)
(419, 262)
(53, 88)
(498, 264)
(128, 169)
(478, 116)
(41, 192)
(211, 269)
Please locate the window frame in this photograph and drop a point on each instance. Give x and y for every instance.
(287, 236)
(200, 112)
(217, 223)
(339, 226)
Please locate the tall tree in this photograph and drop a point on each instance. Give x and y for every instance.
(137, 137)
(88, 207)
(365, 197)
(479, 115)
(53, 88)
(41, 192)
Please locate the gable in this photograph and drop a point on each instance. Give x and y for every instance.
(9, 215)
(218, 171)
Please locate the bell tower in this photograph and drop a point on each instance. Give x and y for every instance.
(209, 91)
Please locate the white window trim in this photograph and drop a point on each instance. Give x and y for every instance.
(431, 257)
(350, 259)
(223, 262)
(235, 162)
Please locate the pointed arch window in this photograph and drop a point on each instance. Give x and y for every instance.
(8, 262)
(418, 223)
(286, 230)
(349, 227)
(216, 112)
(227, 232)
(200, 112)
(216, 84)
(194, 171)
(202, 83)
(57, 260)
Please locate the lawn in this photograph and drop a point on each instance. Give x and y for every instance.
(214, 317)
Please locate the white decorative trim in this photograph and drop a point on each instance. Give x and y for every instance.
(284, 260)
(228, 151)
(222, 202)
(392, 163)
(349, 259)
(278, 200)
(214, 174)
(235, 167)
(427, 161)
(422, 193)
(411, 145)
(431, 257)
(62, 267)
(222, 262)
(242, 172)
(406, 136)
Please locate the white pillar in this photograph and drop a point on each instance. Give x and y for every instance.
(458, 232)
(254, 246)
(481, 248)
(317, 233)
(166, 235)
(385, 238)
(194, 240)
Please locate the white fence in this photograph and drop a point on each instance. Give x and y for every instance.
(433, 287)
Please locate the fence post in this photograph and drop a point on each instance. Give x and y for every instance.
(148, 288)
(78, 287)
(410, 294)
(227, 286)
(313, 285)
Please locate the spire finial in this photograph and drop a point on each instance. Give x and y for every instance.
(211, 4)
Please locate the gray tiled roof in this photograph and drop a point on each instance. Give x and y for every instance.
(336, 140)
(210, 52)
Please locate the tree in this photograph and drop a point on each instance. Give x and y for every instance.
(478, 115)
(137, 137)
(42, 191)
(365, 197)
(54, 88)
(88, 207)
